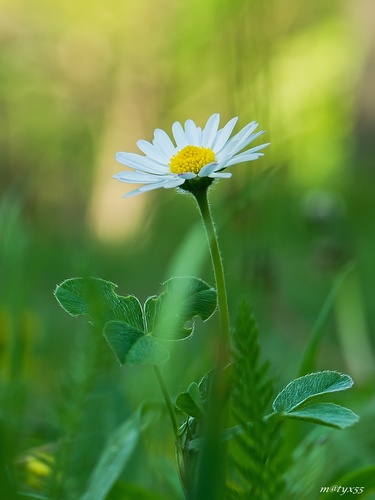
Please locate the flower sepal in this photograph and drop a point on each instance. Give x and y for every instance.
(197, 184)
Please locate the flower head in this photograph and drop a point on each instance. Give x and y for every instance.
(195, 159)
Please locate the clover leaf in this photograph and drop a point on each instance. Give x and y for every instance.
(294, 400)
(134, 332)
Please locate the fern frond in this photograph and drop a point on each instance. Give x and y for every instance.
(255, 466)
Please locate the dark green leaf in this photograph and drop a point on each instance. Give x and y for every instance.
(183, 299)
(305, 388)
(132, 346)
(190, 402)
(97, 299)
(125, 323)
(325, 414)
(204, 386)
(116, 454)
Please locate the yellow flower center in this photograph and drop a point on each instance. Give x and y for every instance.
(191, 159)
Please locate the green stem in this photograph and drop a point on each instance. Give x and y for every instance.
(211, 472)
(218, 268)
(167, 399)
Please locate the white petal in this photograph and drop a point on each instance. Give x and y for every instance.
(208, 169)
(239, 137)
(199, 132)
(192, 133)
(141, 163)
(240, 140)
(187, 175)
(243, 157)
(257, 148)
(245, 141)
(152, 152)
(136, 177)
(174, 183)
(155, 185)
(210, 130)
(223, 135)
(164, 144)
(179, 135)
(167, 184)
(134, 192)
(220, 175)
(131, 193)
(153, 172)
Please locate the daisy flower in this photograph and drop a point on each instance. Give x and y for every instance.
(193, 160)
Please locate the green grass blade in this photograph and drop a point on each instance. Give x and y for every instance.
(308, 363)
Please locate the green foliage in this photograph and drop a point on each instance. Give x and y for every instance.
(133, 332)
(364, 477)
(326, 414)
(309, 466)
(255, 467)
(128, 491)
(97, 299)
(308, 362)
(304, 388)
(132, 346)
(190, 402)
(190, 441)
(292, 401)
(183, 299)
(64, 83)
(116, 454)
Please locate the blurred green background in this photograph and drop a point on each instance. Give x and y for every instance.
(80, 81)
